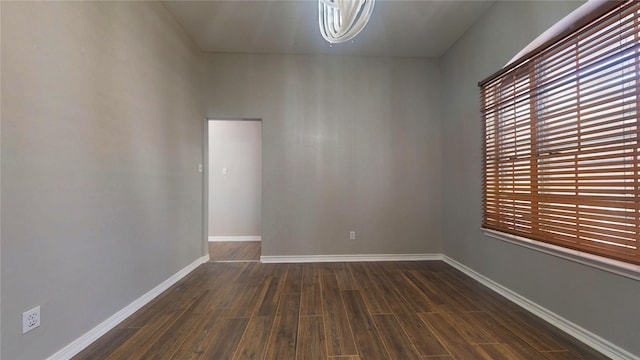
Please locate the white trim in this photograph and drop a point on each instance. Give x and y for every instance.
(580, 333)
(92, 335)
(613, 266)
(234, 238)
(349, 258)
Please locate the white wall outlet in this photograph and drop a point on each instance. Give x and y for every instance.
(225, 171)
(30, 319)
(199, 168)
(352, 235)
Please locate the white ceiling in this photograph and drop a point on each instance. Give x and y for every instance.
(424, 28)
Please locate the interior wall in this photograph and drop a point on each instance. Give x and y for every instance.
(235, 196)
(101, 141)
(601, 302)
(349, 143)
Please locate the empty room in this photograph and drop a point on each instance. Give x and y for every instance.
(433, 180)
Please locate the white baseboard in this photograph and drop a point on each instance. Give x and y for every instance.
(349, 258)
(234, 238)
(92, 335)
(596, 342)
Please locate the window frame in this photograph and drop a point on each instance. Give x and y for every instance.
(532, 154)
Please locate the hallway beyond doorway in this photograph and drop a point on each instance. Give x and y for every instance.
(234, 250)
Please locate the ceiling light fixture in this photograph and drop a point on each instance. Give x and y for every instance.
(341, 20)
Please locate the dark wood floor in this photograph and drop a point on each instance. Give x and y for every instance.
(337, 311)
(234, 250)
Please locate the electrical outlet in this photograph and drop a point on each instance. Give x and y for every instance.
(30, 319)
(352, 235)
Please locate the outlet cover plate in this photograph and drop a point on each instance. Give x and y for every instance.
(30, 319)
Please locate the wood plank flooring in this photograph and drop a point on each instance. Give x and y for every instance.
(234, 250)
(333, 311)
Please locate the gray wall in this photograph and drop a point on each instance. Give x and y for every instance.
(235, 198)
(101, 140)
(601, 302)
(349, 143)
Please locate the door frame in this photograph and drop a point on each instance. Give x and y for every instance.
(205, 177)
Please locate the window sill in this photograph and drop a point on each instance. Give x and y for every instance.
(613, 266)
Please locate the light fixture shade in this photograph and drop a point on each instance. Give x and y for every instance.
(341, 20)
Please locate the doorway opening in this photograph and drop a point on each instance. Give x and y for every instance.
(234, 190)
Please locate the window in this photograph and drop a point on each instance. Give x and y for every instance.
(561, 139)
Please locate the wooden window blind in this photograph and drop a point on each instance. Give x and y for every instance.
(561, 139)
